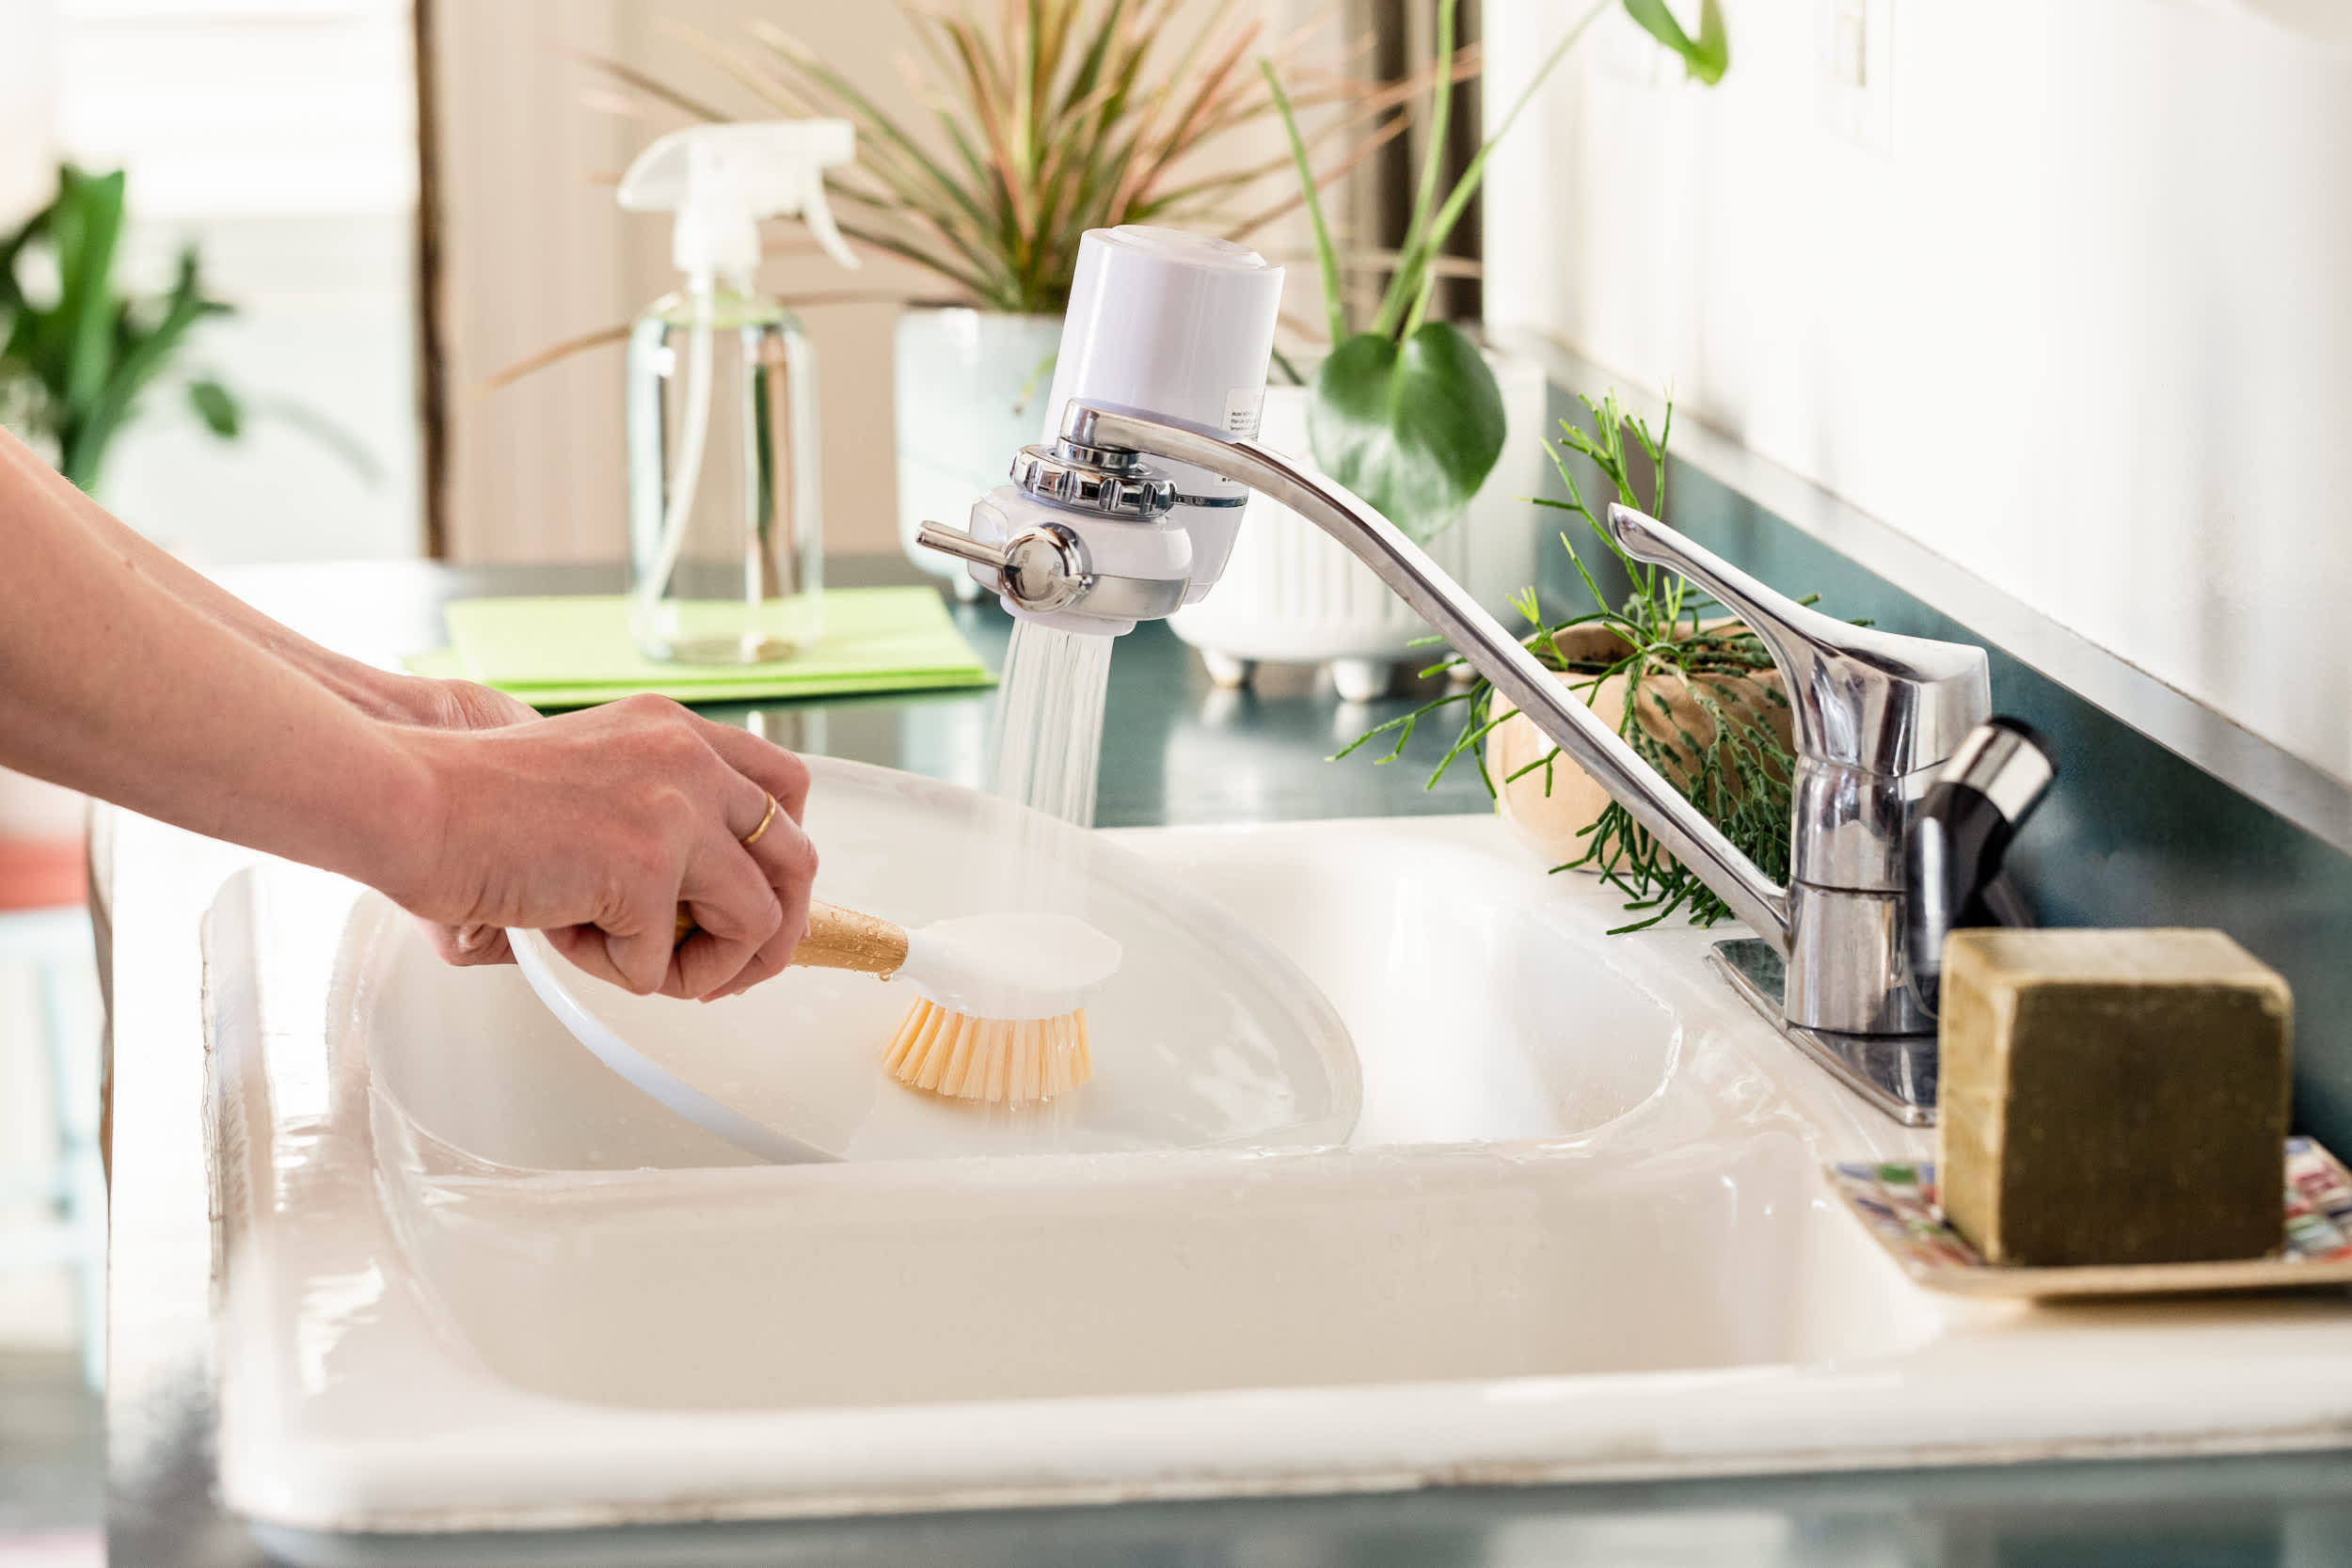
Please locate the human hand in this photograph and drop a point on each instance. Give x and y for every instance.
(456, 705)
(596, 826)
(461, 705)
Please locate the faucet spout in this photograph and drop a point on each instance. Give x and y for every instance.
(1473, 633)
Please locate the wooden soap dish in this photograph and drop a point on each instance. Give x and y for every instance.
(1897, 1204)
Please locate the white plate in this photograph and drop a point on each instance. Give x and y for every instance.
(1205, 1036)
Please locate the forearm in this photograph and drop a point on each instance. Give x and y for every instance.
(114, 684)
(379, 692)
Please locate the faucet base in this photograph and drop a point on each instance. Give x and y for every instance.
(1893, 1072)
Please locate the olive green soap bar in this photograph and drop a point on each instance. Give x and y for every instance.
(2112, 1097)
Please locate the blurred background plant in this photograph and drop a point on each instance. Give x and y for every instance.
(1049, 118)
(78, 352)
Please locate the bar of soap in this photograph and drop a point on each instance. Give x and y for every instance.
(2112, 1097)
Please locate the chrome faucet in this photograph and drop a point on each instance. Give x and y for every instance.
(1875, 714)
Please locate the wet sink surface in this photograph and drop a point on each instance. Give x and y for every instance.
(1577, 1229)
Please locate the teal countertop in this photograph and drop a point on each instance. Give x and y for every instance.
(1177, 749)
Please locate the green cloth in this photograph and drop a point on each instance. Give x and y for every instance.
(574, 651)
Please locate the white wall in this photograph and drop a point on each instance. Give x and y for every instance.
(2078, 314)
(280, 136)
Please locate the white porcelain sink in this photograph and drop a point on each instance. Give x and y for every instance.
(1579, 1231)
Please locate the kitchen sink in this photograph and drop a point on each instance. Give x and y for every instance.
(469, 1280)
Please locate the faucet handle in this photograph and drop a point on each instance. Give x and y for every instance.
(1871, 700)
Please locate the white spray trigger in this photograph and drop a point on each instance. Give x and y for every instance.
(819, 217)
(722, 180)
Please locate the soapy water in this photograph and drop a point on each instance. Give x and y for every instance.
(1047, 748)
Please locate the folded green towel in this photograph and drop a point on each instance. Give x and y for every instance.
(573, 651)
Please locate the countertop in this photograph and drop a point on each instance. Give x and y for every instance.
(1176, 750)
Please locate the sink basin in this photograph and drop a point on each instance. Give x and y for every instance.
(469, 1281)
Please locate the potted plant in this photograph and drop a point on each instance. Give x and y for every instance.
(1407, 413)
(1697, 697)
(77, 354)
(1049, 118)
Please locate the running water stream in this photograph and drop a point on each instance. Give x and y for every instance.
(1047, 748)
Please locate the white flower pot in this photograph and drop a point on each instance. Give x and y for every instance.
(1292, 594)
(971, 389)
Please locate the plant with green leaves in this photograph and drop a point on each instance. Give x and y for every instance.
(1406, 413)
(1732, 764)
(1041, 119)
(74, 367)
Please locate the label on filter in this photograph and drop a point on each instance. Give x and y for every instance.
(1243, 405)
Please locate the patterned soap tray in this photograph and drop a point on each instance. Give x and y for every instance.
(1897, 1204)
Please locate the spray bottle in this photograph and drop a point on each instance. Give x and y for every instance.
(726, 540)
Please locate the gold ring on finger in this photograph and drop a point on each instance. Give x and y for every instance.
(753, 837)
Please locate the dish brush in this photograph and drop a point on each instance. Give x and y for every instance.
(999, 1011)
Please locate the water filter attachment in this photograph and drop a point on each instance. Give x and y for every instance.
(1178, 327)
(1174, 325)
(722, 180)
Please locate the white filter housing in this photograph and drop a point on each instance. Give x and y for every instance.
(1179, 327)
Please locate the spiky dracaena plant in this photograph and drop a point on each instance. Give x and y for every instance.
(1043, 118)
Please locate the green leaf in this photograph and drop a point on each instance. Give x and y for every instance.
(217, 407)
(1412, 429)
(1326, 258)
(87, 224)
(1706, 57)
(86, 437)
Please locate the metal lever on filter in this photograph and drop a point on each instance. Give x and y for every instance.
(1047, 566)
(1043, 568)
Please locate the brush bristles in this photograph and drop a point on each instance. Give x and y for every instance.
(1015, 1060)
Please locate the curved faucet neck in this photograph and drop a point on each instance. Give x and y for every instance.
(1400, 564)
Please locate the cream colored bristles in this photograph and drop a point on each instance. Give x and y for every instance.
(981, 1058)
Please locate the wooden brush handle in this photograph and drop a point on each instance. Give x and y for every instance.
(839, 938)
(844, 938)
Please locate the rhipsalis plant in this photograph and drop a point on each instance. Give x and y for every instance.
(1735, 768)
(1406, 413)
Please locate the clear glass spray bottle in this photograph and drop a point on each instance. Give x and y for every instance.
(726, 538)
